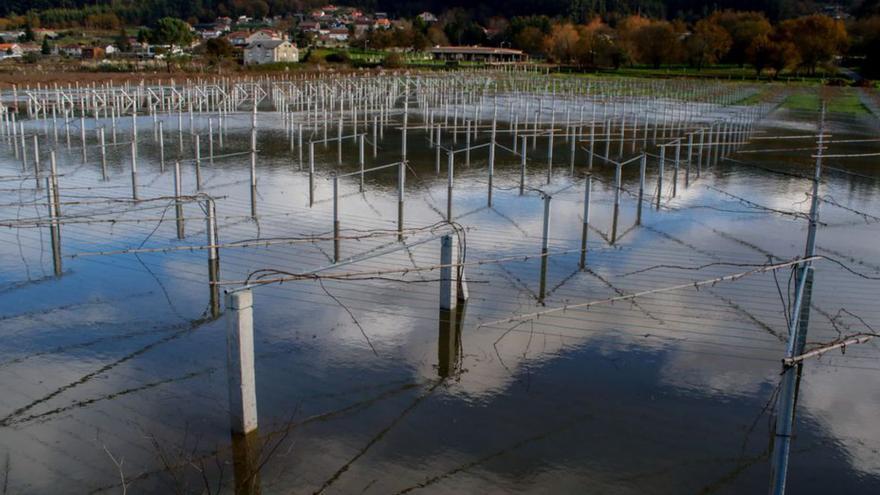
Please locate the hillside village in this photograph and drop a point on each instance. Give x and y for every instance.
(250, 41)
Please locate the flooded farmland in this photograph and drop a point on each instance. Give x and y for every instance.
(472, 282)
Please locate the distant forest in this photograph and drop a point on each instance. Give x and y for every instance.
(135, 12)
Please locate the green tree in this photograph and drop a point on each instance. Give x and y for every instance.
(122, 42)
(218, 48)
(171, 31)
(46, 49)
(28, 34)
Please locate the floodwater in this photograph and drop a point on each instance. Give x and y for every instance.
(114, 373)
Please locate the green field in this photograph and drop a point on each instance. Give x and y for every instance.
(841, 102)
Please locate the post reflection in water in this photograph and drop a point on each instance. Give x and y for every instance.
(246, 462)
(449, 340)
(213, 288)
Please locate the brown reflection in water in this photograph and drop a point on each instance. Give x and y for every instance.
(246, 462)
(449, 340)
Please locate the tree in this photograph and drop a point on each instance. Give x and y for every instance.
(743, 28)
(707, 44)
(772, 51)
(28, 34)
(171, 31)
(437, 37)
(627, 31)
(818, 38)
(865, 35)
(122, 42)
(530, 40)
(393, 60)
(218, 49)
(46, 49)
(656, 44)
(562, 43)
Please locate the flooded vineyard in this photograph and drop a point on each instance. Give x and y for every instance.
(461, 282)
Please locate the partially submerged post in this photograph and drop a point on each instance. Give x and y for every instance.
(453, 288)
(240, 361)
(213, 256)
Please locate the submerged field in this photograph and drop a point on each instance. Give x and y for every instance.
(626, 375)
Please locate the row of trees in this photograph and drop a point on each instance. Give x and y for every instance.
(731, 37)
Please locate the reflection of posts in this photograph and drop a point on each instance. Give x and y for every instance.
(246, 463)
(545, 239)
(617, 179)
(588, 186)
(240, 361)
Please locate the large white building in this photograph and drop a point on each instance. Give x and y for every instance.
(269, 51)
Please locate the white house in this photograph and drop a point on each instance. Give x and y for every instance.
(427, 17)
(269, 51)
(10, 50)
(338, 34)
(263, 35)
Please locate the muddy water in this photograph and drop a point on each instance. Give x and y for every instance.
(115, 372)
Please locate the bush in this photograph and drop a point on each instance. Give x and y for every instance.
(393, 61)
(338, 58)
